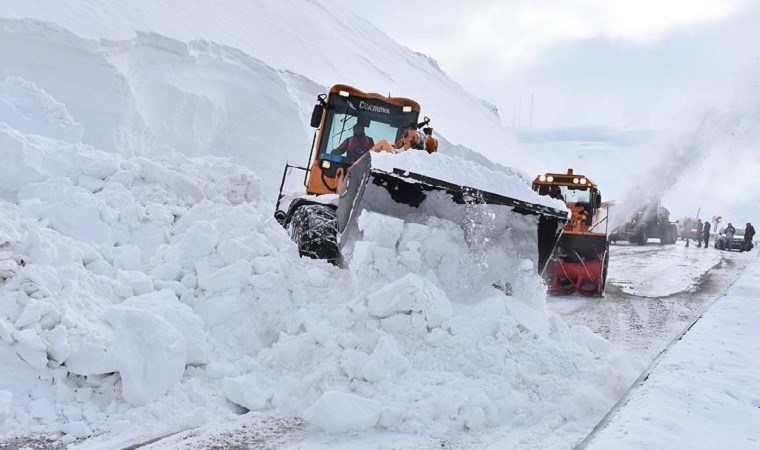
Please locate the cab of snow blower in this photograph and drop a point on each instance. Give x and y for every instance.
(355, 165)
(580, 259)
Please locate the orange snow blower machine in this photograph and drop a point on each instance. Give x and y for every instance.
(580, 259)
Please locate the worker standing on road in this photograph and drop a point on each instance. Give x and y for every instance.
(729, 233)
(699, 233)
(706, 234)
(749, 233)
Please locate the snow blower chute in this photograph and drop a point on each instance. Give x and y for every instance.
(360, 160)
(579, 262)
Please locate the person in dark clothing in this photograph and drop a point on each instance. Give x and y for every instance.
(749, 233)
(699, 232)
(355, 146)
(706, 234)
(556, 193)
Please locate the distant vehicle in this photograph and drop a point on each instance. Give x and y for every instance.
(691, 224)
(651, 221)
(737, 243)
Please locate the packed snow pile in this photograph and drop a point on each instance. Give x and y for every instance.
(148, 294)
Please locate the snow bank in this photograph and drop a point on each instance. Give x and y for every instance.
(704, 392)
(137, 95)
(319, 40)
(20, 104)
(105, 320)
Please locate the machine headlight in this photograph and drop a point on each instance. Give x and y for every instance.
(542, 178)
(407, 109)
(325, 164)
(550, 179)
(343, 93)
(583, 181)
(575, 181)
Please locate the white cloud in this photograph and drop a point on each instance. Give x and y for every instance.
(509, 34)
(620, 63)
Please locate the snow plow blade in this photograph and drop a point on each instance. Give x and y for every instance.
(402, 193)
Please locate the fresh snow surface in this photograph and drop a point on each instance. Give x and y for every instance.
(142, 295)
(305, 43)
(704, 393)
(464, 173)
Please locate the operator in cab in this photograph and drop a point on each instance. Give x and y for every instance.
(556, 193)
(355, 146)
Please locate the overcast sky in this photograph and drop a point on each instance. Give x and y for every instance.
(636, 64)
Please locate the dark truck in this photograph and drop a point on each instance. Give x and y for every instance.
(651, 221)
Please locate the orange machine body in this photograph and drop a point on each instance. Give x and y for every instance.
(390, 122)
(584, 214)
(580, 261)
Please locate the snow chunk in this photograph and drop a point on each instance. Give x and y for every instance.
(593, 341)
(200, 239)
(6, 399)
(31, 348)
(127, 257)
(179, 183)
(230, 277)
(164, 304)
(32, 312)
(78, 430)
(339, 412)
(221, 369)
(90, 359)
(386, 362)
(43, 409)
(411, 294)
(26, 107)
(246, 392)
(6, 331)
(8, 268)
(384, 230)
(57, 343)
(138, 281)
(166, 271)
(232, 251)
(149, 352)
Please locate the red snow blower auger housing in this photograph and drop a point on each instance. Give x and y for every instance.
(580, 259)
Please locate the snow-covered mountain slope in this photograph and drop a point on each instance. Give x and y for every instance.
(315, 39)
(144, 295)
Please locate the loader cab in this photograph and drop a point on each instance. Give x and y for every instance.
(580, 194)
(338, 142)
